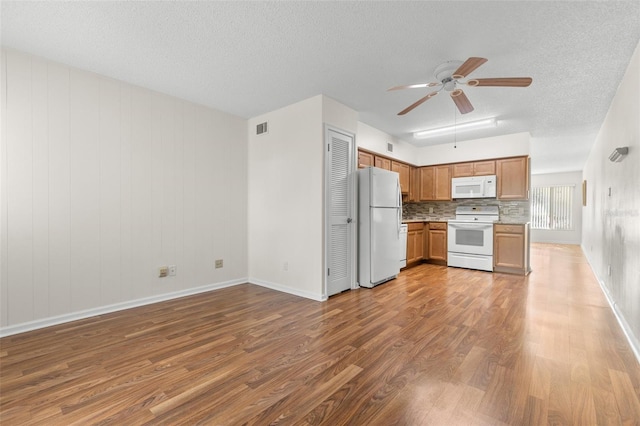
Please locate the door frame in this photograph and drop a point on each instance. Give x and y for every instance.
(352, 206)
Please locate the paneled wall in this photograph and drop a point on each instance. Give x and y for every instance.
(611, 218)
(102, 182)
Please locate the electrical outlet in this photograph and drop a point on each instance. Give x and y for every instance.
(430, 210)
(219, 263)
(172, 270)
(163, 271)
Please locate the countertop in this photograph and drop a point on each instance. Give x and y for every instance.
(512, 222)
(446, 219)
(428, 219)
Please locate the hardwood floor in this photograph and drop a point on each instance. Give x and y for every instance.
(436, 346)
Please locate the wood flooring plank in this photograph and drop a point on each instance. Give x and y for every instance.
(535, 411)
(582, 406)
(540, 385)
(436, 346)
(409, 407)
(302, 402)
(626, 397)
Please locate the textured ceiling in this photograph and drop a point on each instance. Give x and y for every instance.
(248, 58)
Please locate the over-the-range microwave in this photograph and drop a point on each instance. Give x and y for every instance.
(474, 187)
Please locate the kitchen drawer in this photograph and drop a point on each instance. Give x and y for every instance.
(437, 225)
(415, 226)
(509, 229)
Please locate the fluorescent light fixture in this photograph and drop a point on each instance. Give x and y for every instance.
(618, 154)
(462, 127)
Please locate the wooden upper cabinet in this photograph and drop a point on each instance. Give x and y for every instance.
(484, 168)
(462, 169)
(435, 183)
(365, 159)
(405, 174)
(414, 184)
(382, 163)
(513, 178)
(477, 168)
(427, 184)
(443, 183)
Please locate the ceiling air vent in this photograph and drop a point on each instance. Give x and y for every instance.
(261, 128)
(389, 147)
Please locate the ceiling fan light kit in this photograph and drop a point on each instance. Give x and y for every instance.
(471, 125)
(449, 76)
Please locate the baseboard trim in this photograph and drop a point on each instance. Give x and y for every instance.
(288, 290)
(74, 316)
(626, 329)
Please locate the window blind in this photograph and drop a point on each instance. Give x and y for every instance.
(552, 207)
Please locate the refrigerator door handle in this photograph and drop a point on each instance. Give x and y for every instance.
(398, 189)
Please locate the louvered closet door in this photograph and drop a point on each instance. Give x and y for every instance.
(339, 199)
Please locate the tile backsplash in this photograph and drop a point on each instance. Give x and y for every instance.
(510, 211)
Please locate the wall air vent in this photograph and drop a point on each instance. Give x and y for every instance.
(261, 128)
(389, 147)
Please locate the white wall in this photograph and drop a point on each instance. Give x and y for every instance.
(102, 182)
(375, 140)
(286, 199)
(340, 116)
(561, 237)
(286, 195)
(512, 145)
(611, 223)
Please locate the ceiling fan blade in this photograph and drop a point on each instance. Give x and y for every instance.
(468, 67)
(501, 82)
(461, 101)
(413, 86)
(417, 103)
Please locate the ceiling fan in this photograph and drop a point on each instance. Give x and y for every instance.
(449, 76)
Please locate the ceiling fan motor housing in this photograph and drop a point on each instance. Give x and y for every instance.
(445, 71)
(449, 84)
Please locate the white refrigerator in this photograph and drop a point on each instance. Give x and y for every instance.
(380, 220)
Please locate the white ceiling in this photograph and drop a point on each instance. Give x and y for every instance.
(249, 58)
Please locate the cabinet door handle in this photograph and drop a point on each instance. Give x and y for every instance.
(349, 220)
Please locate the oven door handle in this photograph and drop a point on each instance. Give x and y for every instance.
(471, 225)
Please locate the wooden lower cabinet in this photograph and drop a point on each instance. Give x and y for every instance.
(511, 248)
(415, 242)
(427, 241)
(437, 242)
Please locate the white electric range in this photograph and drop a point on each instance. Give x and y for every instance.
(470, 237)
